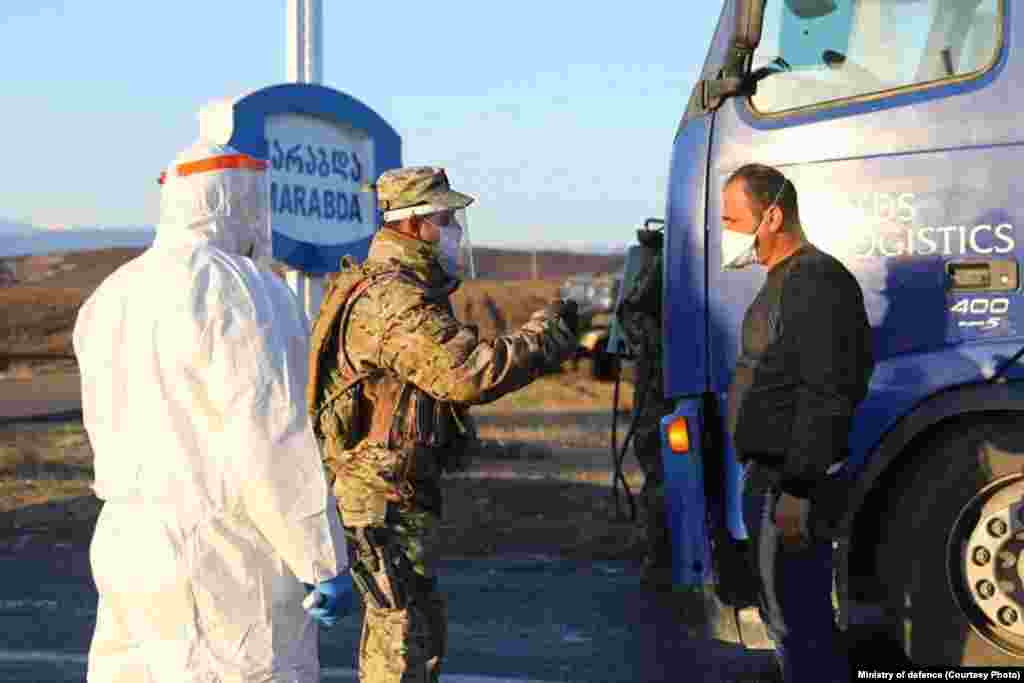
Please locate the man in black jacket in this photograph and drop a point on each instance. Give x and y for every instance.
(804, 366)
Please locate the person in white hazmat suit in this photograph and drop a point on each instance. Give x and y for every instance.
(193, 361)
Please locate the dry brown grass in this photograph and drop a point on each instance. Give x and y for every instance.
(16, 494)
(38, 319)
(32, 368)
(40, 313)
(43, 463)
(569, 389)
(540, 484)
(498, 307)
(506, 264)
(71, 270)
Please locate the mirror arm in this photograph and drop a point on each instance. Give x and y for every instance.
(733, 80)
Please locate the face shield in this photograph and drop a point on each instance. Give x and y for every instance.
(215, 191)
(466, 264)
(455, 248)
(455, 252)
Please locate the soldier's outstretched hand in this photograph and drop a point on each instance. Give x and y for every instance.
(567, 310)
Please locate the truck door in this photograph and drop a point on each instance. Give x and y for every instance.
(897, 123)
(694, 483)
(685, 272)
(900, 144)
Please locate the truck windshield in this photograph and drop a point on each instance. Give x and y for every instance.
(852, 48)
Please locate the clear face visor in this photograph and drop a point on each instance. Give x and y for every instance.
(255, 211)
(460, 244)
(232, 190)
(454, 248)
(249, 201)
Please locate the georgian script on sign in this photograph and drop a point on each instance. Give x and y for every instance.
(316, 169)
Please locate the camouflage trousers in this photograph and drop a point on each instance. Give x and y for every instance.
(392, 543)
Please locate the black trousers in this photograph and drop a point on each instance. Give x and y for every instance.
(795, 592)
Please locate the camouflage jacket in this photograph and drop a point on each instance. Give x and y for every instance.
(422, 367)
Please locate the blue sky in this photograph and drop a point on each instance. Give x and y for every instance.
(557, 116)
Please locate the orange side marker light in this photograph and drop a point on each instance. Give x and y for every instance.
(678, 435)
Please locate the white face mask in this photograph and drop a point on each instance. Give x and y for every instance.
(739, 249)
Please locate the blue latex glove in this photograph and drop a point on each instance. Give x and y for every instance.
(330, 600)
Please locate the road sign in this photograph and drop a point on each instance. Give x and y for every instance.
(323, 145)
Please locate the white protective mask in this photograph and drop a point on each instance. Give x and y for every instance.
(739, 249)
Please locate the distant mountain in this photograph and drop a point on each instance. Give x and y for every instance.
(12, 228)
(519, 264)
(605, 248)
(601, 248)
(24, 240)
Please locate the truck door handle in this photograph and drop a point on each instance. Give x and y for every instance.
(994, 275)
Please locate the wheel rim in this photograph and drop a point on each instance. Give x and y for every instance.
(986, 563)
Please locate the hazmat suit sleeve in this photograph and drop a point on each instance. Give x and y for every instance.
(256, 373)
(423, 343)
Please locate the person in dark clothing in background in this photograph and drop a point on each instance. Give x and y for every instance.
(805, 363)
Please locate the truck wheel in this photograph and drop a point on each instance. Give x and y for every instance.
(952, 551)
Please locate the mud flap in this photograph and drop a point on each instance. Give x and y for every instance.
(741, 626)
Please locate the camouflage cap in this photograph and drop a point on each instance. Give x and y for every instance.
(414, 185)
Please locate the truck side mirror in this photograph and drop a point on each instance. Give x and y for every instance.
(732, 80)
(749, 22)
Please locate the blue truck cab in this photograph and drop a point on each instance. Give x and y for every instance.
(897, 122)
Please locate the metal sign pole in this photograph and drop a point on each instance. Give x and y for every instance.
(305, 65)
(321, 146)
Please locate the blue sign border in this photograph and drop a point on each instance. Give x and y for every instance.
(249, 136)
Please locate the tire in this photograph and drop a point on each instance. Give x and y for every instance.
(933, 509)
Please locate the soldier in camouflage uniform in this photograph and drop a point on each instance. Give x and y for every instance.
(393, 373)
(640, 319)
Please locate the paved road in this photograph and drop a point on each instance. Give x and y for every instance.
(524, 619)
(512, 619)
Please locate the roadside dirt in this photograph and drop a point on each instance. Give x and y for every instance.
(540, 483)
(543, 483)
(40, 309)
